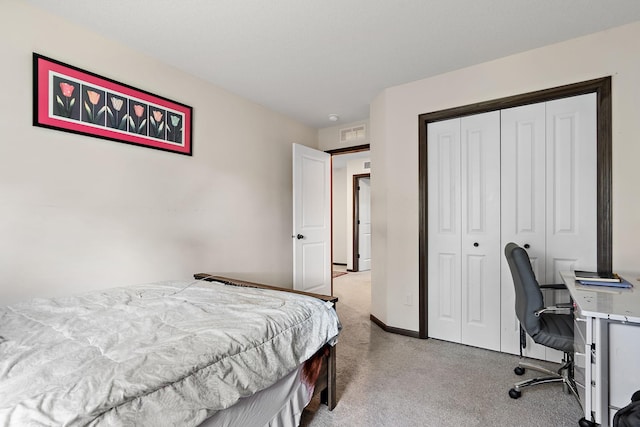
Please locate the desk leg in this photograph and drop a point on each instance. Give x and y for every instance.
(601, 372)
(588, 371)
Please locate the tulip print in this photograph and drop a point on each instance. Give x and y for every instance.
(117, 103)
(92, 115)
(175, 129)
(79, 101)
(94, 97)
(67, 89)
(113, 113)
(156, 127)
(65, 107)
(138, 123)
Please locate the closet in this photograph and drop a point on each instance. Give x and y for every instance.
(525, 174)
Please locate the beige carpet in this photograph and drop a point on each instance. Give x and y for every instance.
(391, 380)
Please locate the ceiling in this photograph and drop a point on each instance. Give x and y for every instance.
(311, 58)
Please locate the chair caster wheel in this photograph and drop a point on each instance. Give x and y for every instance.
(585, 423)
(514, 394)
(518, 370)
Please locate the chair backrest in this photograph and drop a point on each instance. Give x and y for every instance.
(529, 297)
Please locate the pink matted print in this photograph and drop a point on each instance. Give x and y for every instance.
(70, 99)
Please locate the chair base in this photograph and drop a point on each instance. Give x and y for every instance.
(563, 375)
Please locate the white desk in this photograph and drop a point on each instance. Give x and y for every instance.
(608, 328)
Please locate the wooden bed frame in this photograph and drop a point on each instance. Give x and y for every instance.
(326, 383)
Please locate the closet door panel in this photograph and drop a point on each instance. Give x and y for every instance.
(480, 175)
(571, 191)
(571, 185)
(522, 210)
(443, 265)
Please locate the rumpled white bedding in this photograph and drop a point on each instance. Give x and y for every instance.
(280, 405)
(162, 354)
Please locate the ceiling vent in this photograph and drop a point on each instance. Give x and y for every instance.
(352, 134)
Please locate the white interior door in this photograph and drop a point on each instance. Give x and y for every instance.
(571, 185)
(523, 210)
(571, 192)
(443, 228)
(364, 224)
(548, 199)
(463, 252)
(526, 175)
(311, 220)
(480, 242)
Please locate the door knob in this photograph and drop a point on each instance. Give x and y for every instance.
(476, 244)
(527, 246)
(298, 236)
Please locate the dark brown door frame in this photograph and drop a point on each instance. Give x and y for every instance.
(347, 150)
(602, 88)
(356, 219)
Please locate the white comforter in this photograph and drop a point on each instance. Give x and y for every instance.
(163, 354)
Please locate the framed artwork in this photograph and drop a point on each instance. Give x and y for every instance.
(70, 99)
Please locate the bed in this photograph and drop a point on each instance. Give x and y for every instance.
(210, 351)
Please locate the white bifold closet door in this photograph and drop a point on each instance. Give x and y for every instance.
(464, 230)
(524, 175)
(548, 194)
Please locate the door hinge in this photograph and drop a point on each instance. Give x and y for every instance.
(358, 256)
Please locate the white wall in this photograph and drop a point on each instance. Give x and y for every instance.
(329, 137)
(78, 213)
(394, 149)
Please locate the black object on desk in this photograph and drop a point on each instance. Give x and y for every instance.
(596, 276)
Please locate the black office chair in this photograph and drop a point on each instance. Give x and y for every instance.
(629, 416)
(543, 324)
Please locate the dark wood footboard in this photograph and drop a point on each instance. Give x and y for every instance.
(326, 383)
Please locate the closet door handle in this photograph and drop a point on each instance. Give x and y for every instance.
(476, 244)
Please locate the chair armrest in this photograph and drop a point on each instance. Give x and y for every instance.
(558, 307)
(554, 286)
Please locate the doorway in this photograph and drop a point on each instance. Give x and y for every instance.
(347, 164)
(361, 222)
